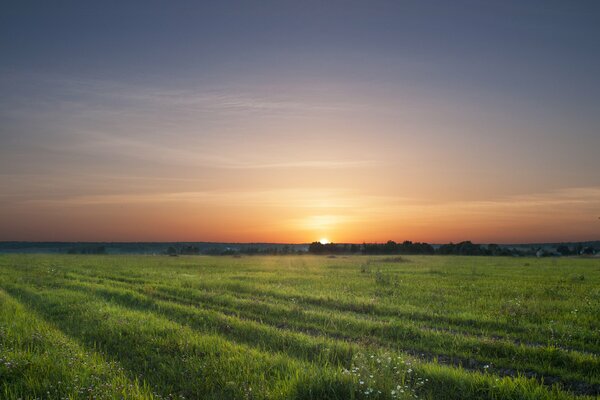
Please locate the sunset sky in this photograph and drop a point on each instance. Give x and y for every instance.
(291, 121)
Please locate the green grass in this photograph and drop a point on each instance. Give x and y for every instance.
(298, 327)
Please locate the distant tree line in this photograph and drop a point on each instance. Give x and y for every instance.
(588, 248)
(333, 248)
(390, 247)
(465, 248)
(231, 251)
(183, 250)
(252, 250)
(578, 249)
(87, 250)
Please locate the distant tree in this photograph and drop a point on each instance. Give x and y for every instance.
(564, 250)
(466, 248)
(316, 248)
(190, 250)
(87, 250)
(330, 248)
(250, 250)
(228, 251)
(588, 251)
(446, 249)
(493, 249)
(390, 247)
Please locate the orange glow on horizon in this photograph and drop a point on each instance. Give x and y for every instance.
(285, 125)
(292, 217)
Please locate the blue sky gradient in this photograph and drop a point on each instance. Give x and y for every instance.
(184, 119)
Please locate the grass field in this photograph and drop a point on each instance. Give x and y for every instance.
(296, 327)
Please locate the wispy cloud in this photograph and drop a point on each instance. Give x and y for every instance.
(572, 197)
(301, 198)
(180, 155)
(121, 121)
(100, 95)
(301, 164)
(345, 199)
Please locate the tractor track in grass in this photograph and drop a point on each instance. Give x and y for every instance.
(467, 363)
(203, 294)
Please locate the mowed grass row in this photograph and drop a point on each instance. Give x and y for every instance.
(176, 362)
(243, 323)
(315, 327)
(549, 306)
(39, 361)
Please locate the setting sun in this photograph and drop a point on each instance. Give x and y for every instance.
(324, 241)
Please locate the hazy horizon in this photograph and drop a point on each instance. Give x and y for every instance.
(290, 122)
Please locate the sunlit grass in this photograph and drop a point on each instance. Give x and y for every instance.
(298, 327)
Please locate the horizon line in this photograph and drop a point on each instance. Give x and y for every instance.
(292, 243)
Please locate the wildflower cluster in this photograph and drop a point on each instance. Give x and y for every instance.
(384, 376)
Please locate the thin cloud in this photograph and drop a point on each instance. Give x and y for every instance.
(344, 198)
(303, 200)
(129, 122)
(303, 164)
(96, 94)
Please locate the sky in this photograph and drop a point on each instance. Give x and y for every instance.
(292, 121)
